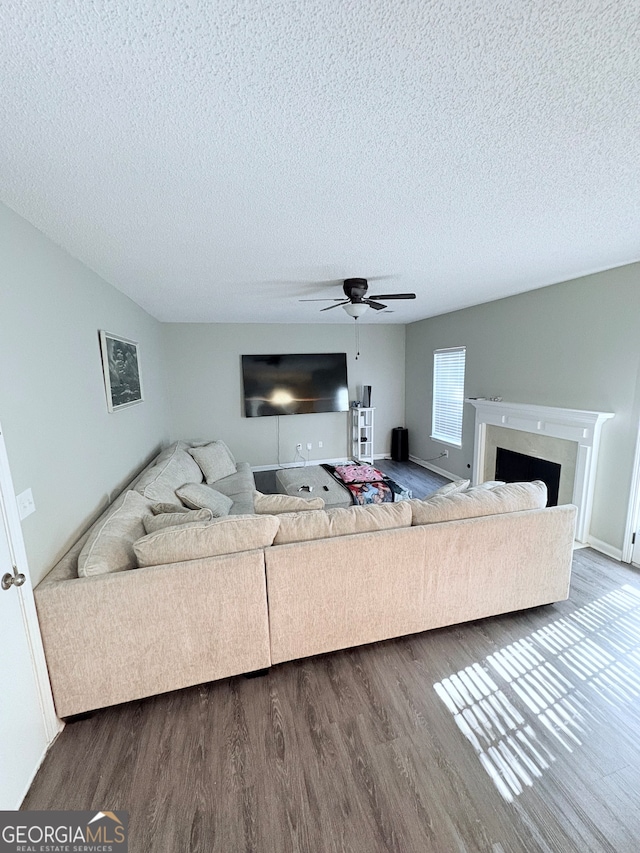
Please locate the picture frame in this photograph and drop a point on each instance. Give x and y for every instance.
(121, 371)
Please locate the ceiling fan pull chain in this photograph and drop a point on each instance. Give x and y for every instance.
(357, 339)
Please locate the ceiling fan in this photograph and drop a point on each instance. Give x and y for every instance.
(357, 301)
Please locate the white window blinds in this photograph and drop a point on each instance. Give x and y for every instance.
(448, 394)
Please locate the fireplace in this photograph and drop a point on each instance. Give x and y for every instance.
(515, 467)
(574, 436)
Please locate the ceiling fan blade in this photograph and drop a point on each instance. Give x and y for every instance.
(343, 302)
(319, 300)
(394, 296)
(378, 306)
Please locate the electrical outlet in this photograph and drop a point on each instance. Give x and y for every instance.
(445, 453)
(309, 445)
(319, 444)
(25, 503)
(298, 447)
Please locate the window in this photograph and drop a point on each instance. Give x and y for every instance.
(448, 395)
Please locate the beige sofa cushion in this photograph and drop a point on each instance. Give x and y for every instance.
(206, 539)
(171, 519)
(274, 504)
(162, 508)
(201, 496)
(512, 497)
(324, 524)
(162, 479)
(452, 488)
(368, 518)
(240, 488)
(302, 526)
(215, 460)
(170, 450)
(488, 484)
(109, 547)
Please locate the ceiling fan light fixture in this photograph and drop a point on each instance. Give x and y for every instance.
(356, 309)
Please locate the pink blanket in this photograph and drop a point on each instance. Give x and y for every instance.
(358, 473)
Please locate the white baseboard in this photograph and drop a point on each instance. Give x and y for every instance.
(340, 461)
(424, 464)
(605, 548)
(45, 752)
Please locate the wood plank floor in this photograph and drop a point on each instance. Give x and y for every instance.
(513, 734)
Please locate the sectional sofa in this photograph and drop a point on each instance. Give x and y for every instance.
(146, 602)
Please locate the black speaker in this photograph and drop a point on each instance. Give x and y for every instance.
(366, 396)
(400, 444)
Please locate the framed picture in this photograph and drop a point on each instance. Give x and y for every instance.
(121, 369)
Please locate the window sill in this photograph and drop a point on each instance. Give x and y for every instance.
(439, 440)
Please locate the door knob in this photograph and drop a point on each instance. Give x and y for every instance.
(10, 580)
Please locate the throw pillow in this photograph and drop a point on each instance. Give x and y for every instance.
(215, 460)
(274, 504)
(452, 488)
(171, 519)
(512, 497)
(206, 539)
(109, 547)
(199, 496)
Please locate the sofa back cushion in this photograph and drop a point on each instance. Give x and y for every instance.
(171, 519)
(511, 497)
(109, 547)
(488, 484)
(160, 481)
(452, 487)
(324, 524)
(274, 504)
(195, 540)
(215, 460)
(163, 508)
(170, 450)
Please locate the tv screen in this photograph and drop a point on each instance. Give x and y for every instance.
(295, 384)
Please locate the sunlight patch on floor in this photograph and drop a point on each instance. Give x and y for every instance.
(530, 701)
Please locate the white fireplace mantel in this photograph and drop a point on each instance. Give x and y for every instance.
(583, 427)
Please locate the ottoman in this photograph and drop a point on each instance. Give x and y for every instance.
(323, 485)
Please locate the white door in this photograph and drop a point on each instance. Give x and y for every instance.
(26, 723)
(631, 547)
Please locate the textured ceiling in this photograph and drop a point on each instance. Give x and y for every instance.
(217, 161)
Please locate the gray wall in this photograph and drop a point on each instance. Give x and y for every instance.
(61, 441)
(575, 344)
(203, 372)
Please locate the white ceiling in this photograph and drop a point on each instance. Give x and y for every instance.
(217, 161)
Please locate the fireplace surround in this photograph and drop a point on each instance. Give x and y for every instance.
(578, 429)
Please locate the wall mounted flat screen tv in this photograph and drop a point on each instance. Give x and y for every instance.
(299, 384)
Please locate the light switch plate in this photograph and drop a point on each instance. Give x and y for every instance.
(25, 503)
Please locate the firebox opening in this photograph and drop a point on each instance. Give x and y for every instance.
(515, 467)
